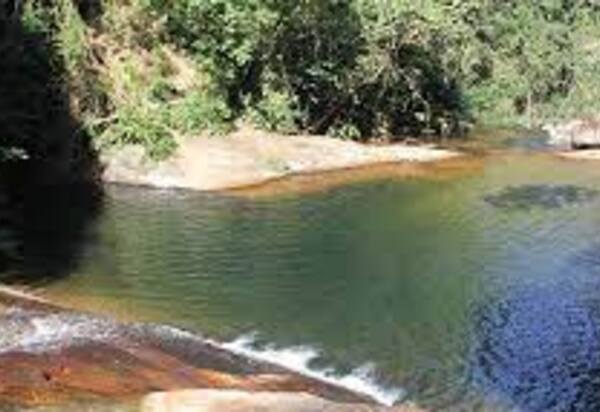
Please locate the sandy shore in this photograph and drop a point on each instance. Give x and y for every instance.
(250, 157)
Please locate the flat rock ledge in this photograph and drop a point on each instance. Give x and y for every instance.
(54, 359)
(249, 157)
(239, 401)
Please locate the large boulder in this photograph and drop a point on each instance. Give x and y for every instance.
(581, 133)
(239, 401)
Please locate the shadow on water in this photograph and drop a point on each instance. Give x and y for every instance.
(48, 198)
(53, 224)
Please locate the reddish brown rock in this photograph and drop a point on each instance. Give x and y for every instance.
(53, 357)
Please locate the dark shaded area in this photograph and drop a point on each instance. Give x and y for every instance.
(431, 103)
(315, 50)
(541, 196)
(51, 228)
(90, 10)
(48, 168)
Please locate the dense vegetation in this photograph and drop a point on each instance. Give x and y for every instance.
(153, 71)
(81, 75)
(364, 68)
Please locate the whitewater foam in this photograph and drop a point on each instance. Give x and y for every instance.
(39, 332)
(297, 359)
(47, 332)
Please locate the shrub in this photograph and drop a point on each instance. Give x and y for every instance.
(308, 65)
(150, 101)
(149, 71)
(275, 111)
(142, 124)
(199, 111)
(70, 35)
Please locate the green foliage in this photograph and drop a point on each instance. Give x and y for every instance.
(148, 102)
(154, 71)
(317, 65)
(346, 131)
(70, 35)
(395, 67)
(199, 111)
(275, 111)
(528, 60)
(132, 24)
(35, 19)
(142, 124)
(227, 36)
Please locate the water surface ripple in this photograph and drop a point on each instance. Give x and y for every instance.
(477, 291)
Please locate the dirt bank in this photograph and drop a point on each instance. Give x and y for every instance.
(250, 157)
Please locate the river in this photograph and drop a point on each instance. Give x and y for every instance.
(473, 290)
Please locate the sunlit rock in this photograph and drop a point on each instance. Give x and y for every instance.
(575, 134)
(50, 357)
(238, 401)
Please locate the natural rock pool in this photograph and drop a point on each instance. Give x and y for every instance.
(480, 290)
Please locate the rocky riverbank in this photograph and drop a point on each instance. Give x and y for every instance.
(577, 138)
(56, 358)
(250, 157)
(576, 134)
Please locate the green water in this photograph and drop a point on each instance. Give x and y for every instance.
(458, 298)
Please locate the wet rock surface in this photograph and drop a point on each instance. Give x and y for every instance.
(51, 357)
(541, 196)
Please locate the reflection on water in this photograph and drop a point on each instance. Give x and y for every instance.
(458, 302)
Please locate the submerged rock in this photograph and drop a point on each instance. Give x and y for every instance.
(239, 401)
(541, 196)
